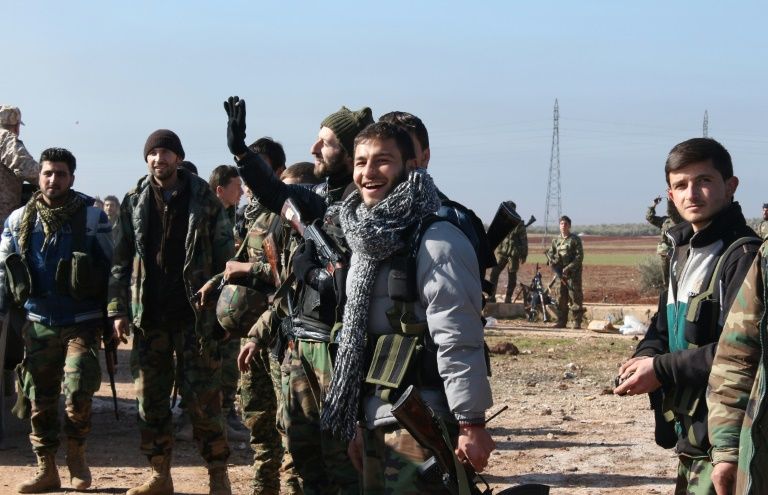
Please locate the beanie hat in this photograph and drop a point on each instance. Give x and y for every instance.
(347, 124)
(163, 138)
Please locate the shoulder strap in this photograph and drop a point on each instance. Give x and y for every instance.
(78, 224)
(711, 292)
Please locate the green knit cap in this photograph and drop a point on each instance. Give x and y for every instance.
(347, 124)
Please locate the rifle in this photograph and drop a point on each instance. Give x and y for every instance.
(329, 254)
(557, 269)
(110, 358)
(425, 427)
(530, 221)
(537, 297)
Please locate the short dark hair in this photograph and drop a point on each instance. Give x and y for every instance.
(188, 166)
(59, 155)
(566, 218)
(386, 130)
(303, 171)
(411, 123)
(221, 176)
(272, 149)
(699, 150)
(113, 199)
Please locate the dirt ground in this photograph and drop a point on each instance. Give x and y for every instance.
(562, 427)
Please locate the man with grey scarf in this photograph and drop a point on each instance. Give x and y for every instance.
(381, 220)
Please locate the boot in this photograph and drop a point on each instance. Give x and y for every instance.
(160, 483)
(79, 473)
(219, 481)
(46, 478)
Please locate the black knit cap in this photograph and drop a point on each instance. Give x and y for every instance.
(347, 124)
(163, 138)
(765, 205)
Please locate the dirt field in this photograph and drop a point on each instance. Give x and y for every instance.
(562, 428)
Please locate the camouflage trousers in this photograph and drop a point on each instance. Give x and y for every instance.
(259, 405)
(391, 463)
(320, 459)
(154, 371)
(570, 297)
(230, 375)
(694, 477)
(512, 266)
(280, 372)
(53, 353)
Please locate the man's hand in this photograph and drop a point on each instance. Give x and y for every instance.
(305, 260)
(724, 477)
(475, 446)
(236, 269)
(235, 108)
(355, 450)
(204, 293)
(121, 329)
(637, 377)
(247, 352)
(656, 200)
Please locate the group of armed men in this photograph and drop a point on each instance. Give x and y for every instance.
(345, 294)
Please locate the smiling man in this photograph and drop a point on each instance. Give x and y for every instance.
(38, 245)
(712, 252)
(173, 236)
(389, 218)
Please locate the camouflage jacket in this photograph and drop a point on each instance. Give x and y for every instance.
(664, 248)
(16, 165)
(515, 246)
(567, 252)
(737, 387)
(762, 230)
(208, 246)
(683, 350)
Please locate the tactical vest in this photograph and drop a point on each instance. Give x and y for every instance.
(407, 355)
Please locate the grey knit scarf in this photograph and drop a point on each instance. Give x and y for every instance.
(374, 234)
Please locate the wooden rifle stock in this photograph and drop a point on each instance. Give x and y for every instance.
(269, 247)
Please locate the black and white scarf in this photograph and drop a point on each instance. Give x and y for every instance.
(373, 234)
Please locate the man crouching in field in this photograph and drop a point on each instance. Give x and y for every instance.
(382, 221)
(713, 250)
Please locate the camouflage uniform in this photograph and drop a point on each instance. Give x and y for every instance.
(62, 340)
(208, 246)
(512, 251)
(568, 254)
(762, 230)
(16, 164)
(737, 398)
(664, 248)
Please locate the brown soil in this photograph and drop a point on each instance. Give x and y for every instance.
(562, 430)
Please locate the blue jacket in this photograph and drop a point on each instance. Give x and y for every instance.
(45, 304)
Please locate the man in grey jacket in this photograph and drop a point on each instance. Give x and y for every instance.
(381, 221)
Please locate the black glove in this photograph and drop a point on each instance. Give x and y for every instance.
(305, 260)
(235, 108)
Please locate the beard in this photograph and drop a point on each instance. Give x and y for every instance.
(334, 166)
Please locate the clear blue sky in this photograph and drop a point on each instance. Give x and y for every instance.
(633, 79)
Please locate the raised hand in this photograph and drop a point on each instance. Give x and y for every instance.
(235, 108)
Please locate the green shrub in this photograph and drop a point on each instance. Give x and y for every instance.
(651, 276)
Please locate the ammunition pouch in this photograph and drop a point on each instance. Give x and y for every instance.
(18, 278)
(23, 407)
(81, 278)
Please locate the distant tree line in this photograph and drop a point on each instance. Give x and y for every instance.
(620, 229)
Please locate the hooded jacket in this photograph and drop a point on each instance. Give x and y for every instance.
(683, 351)
(208, 245)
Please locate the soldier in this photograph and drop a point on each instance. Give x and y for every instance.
(512, 252)
(321, 460)
(566, 256)
(16, 164)
(713, 250)
(67, 314)
(664, 248)
(300, 173)
(380, 222)
(762, 229)
(227, 186)
(112, 208)
(173, 237)
(259, 387)
(736, 394)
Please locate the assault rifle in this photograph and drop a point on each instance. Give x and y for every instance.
(557, 269)
(329, 254)
(110, 358)
(425, 427)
